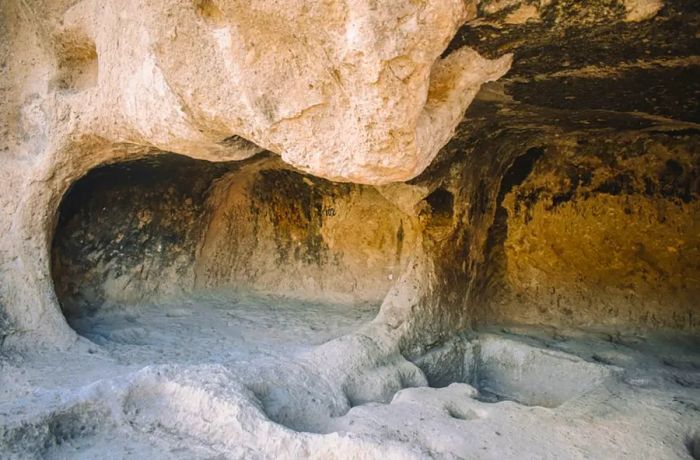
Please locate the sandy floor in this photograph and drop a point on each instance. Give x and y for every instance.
(200, 330)
(209, 378)
(217, 330)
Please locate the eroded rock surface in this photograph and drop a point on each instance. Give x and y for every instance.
(364, 81)
(153, 230)
(266, 230)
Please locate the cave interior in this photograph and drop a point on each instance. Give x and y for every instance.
(533, 293)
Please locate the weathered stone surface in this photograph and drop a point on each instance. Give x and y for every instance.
(155, 229)
(351, 91)
(297, 302)
(93, 83)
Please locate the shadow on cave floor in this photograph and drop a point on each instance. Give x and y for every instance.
(210, 328)
(200, 329)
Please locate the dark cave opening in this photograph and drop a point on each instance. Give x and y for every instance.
(441, 204)
(129, 220)
(515, 174)
(169, 243)
(518, 171)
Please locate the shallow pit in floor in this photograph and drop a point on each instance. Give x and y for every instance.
(506, 369)
(467, 378)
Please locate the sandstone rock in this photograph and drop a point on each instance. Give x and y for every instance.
(366, 83)
(176, 281)
(642, 10)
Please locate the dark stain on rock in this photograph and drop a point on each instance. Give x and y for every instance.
(294, 203)
(399, 241)
(136, 217)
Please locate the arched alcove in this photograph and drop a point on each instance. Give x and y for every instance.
(149, 248)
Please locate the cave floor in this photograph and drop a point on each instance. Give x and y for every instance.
(180, 382)
(215, 329)
(200, 329)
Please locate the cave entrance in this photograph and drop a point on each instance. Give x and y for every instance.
(172, 258)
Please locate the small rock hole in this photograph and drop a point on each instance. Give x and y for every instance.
(441, 206)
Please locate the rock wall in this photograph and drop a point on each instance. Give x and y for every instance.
(127, 233)
(275, 230)
(341, 95)
(156, 229)
(602, 232)
(565, 195)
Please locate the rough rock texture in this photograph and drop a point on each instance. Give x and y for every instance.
(153, 230)
(128, 233)
(95, 82)
(548, 92)
(365, 81)
(203, 204)
(606, 233)
(597, 152)
(303, 237)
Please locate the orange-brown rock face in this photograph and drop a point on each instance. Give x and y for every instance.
(603, 233)
(303, 237)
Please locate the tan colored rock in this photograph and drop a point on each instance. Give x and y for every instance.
(346, 91)
(523, 14)
(641, 10)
